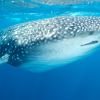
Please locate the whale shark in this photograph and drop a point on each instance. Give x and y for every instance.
(49, 43)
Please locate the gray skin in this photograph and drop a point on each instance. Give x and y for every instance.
(21, 41)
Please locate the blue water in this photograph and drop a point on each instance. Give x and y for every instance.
(79, 80)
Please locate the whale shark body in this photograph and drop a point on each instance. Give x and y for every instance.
(48, 43)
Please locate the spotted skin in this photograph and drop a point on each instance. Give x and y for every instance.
(23, 40)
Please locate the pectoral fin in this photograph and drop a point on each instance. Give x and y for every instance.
(90, 43)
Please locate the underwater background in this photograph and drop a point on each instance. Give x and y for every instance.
(79, 80)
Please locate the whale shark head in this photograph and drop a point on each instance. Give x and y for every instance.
(46, 44)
